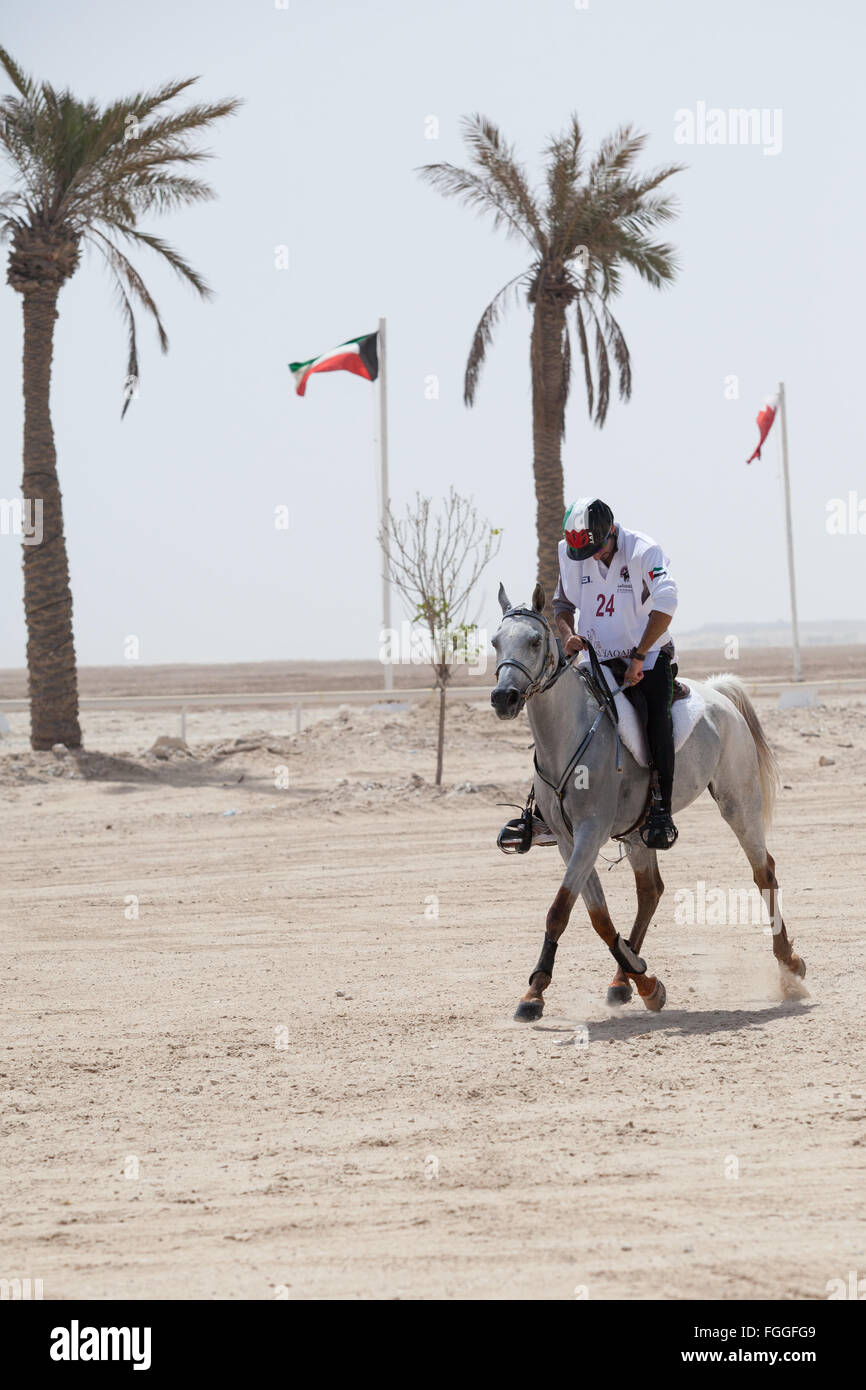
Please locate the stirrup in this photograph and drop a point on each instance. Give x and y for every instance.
(519, 835)
(525, 832)
(515, 837)
(658, 830)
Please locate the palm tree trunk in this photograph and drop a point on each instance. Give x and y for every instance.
(52, 679)
(549, 395)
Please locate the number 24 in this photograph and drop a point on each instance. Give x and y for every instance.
(602, 607)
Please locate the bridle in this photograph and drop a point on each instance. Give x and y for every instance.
(598, 687)
(546, 677)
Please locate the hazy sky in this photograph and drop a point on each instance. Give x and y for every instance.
(170, 515)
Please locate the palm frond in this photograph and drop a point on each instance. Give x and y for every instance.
(127, 281)
(483, 337)
(132, 356)
(621, 356)
(602, 368)
(476, 193)
(499, 162)
(611, 278)
(19, 79)
(615, 155)
(144, 103)
(96, 190)
(654, 262)
(126, 272)
(185, 123)
(165, 192)
(179, 265)
(563, 173)
(584, 352)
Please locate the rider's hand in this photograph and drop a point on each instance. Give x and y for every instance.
(573, 645)
(634, 672)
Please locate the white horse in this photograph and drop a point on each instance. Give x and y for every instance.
(573, 719)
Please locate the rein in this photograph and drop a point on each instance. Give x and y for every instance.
(598, 687)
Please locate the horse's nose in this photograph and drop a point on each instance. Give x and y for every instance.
(504, 701)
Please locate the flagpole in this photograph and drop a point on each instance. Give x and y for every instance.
(384, 499)
(795, 634)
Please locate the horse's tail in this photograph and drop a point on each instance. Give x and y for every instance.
(768, 767)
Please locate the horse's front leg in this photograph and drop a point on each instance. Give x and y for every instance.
(630, 966)
(649, 887)
(587, 843)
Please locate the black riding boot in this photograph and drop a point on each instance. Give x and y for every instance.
(657, 692)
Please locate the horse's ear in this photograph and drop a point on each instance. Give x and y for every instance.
(538, 598)
(504, 601)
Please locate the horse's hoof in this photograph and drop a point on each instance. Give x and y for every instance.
(618, 994)
(529, 1010)
(656, 1000)
(790, 974)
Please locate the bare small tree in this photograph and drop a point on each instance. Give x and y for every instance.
(435, 562)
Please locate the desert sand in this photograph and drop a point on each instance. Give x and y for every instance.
(258, 1038)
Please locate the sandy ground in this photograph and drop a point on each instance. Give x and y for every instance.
(287, 1076)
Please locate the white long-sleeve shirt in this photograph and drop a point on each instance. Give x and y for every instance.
(612, 604)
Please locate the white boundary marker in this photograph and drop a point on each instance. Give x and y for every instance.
(299, 700)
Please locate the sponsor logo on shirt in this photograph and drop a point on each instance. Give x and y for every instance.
(584, 579)
(623, 574)
(603, 651)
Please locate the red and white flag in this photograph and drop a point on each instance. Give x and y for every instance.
(765, 418)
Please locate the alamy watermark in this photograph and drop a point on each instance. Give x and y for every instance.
(705, 906)
(411, 645)
(718, 125)
(22, 516)
(17, 1290)
(854, 1288)
(846, 516)
(77, 1343)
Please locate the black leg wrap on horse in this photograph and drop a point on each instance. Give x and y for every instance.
(546, 959)
(626, 958)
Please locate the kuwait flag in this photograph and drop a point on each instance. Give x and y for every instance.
(358, 355)
(766, 416)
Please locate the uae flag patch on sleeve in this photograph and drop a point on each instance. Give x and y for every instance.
(358, 355)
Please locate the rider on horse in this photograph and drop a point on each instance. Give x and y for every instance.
(617, 585)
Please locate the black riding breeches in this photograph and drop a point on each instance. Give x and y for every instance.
(653, 699)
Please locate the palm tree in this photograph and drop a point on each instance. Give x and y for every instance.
(582, 228)
(81, 174)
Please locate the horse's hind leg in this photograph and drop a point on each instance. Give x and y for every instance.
(649, 886)
(783, 949)
(743, 810)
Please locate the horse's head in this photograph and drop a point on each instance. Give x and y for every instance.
(526, 654)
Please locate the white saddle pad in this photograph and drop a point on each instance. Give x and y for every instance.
(686, 714)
